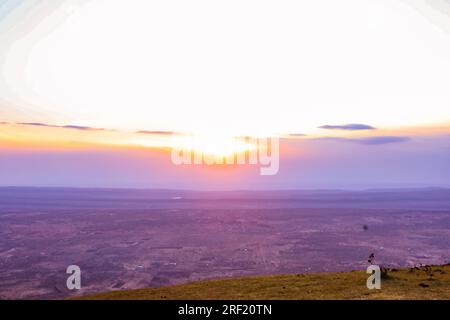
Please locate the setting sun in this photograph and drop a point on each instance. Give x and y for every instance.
(213, 145)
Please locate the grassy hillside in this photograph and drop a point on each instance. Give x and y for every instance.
(416, 283)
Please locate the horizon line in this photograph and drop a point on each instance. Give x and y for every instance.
(367, 189)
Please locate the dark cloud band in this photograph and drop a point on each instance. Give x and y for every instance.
(351, 126)
(39, 124)
(378, 140)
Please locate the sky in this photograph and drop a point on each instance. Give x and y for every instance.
(92, 92)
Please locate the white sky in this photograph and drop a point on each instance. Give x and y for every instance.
(228, 66)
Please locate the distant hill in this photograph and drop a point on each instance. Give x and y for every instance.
(413, 283)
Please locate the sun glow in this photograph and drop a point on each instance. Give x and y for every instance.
(213, 145)
(182, 66)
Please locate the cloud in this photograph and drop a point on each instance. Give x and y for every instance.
(350, 126)
(36, 124)
(383, 140)
(293, 136)
(155, 132)
(86, 128)
(297, 135)
(39, 124)
(80, 127)
(378, 140)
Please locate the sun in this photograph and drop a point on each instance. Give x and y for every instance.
(213, 145)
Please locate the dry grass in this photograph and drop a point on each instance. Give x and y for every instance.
(401, 284)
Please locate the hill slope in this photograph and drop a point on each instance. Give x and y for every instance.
(416, 283)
